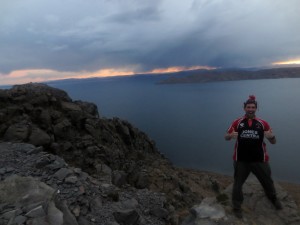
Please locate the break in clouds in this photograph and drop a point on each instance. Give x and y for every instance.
(140, 35)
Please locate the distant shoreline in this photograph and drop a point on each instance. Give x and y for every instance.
(205, 76)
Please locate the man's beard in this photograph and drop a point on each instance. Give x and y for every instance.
(250, 114)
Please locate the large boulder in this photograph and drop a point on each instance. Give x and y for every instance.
(27, 199)
(17, 132)
(38, 137)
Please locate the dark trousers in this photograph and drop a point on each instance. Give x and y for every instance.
(242, 170)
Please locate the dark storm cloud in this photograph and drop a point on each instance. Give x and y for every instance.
(88, 35)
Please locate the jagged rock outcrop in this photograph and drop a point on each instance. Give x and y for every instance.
(47, 117)
(40, 188)
(111, 150)
(25, 200)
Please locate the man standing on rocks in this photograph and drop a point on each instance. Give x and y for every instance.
(250, 154)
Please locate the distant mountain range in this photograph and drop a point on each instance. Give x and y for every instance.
(203, 76)
(191, 76)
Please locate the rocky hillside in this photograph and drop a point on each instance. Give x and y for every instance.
(82, 169)
(110, 150)
(41, 188)
(44, 116)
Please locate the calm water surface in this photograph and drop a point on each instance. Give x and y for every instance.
(188, 121)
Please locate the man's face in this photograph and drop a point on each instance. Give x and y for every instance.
(250, 110)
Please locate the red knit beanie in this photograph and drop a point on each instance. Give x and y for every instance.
(251, 100)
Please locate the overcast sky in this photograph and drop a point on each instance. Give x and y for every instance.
(53, 39)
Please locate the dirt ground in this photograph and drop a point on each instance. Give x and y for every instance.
(293, 190)
(195, 180)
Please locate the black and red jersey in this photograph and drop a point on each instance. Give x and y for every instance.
(250, 145)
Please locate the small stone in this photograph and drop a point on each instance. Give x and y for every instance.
(8, 214)
(96, 204)
(81, 190)
(36, 150)
(77, 170)
(71, 180)
(76, 211)
(36, 212)
(2, 171)
(159, 212)
(130, 203)
(62, 173)
(9, 169)
(20, 219)
(126, 216)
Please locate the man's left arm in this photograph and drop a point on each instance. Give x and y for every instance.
(269, 133)
(270, 136)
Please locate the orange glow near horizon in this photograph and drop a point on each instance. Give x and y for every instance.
(42, 75)
(289, 62)
(107, 73)
(179, 69)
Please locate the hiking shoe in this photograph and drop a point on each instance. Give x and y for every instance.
(238, 213)
(277, 204)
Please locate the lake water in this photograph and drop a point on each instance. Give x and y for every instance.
(188, 121)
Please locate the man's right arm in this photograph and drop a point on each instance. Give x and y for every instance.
(231, 132)
(232, 135)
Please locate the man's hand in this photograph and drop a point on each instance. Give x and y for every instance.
(232, 135)
(270, 136)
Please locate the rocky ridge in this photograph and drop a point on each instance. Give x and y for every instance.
(103, 171)
(39, 187)
(110, 150)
